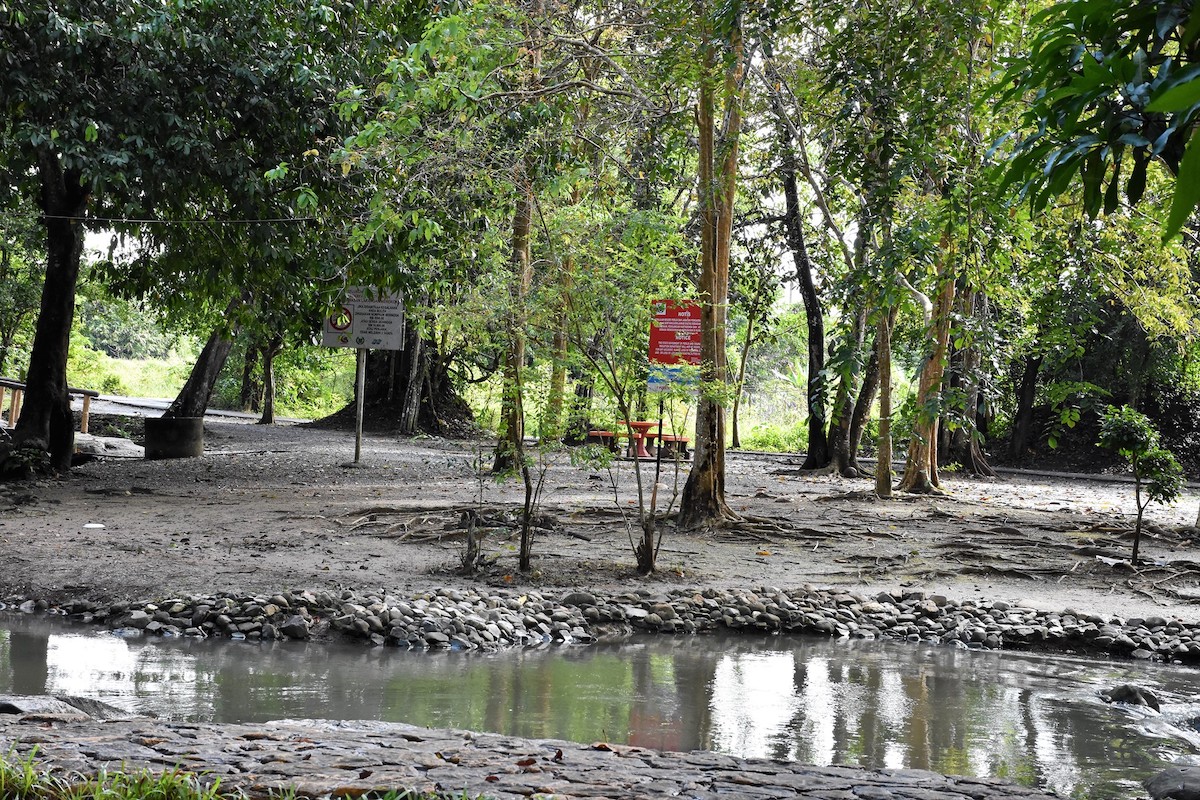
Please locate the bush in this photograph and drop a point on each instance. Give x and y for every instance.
(777, 439)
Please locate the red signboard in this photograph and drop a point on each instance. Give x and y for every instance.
(675, 332)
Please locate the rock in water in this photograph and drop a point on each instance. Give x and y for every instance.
(1175, 783)
(296, 627)
(1133, 695)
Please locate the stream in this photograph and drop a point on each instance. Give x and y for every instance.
(1035, 719)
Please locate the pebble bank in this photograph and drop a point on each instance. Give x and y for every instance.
(358, 759)
(491, 619)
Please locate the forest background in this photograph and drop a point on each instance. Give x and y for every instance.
(953, 231)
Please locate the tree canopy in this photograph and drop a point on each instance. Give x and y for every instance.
(987, 210)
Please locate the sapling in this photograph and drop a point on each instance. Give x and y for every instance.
(1157, 476)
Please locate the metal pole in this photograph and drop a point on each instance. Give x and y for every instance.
(360, 399)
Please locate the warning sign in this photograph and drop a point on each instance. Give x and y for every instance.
(675, 332)
(366, 319)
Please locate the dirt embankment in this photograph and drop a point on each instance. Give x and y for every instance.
(275, 508)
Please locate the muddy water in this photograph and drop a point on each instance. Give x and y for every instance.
(1037, 720)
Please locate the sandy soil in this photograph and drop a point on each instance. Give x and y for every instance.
(273, 508)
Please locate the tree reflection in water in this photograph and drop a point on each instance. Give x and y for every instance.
(1036, 720)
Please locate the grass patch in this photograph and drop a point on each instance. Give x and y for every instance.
(22, 779)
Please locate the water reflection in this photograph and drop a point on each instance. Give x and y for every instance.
(1036, 720)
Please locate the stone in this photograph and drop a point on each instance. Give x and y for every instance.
(1175, 783)
(1131, 695)
(579, 599)
(296, 627)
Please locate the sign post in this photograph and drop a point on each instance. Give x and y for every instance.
(674, 341)
(364, 320)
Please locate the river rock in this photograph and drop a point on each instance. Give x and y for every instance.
(296, 627)
(579, 599)
(1132, 695)
(62, 708)
(1175, 783)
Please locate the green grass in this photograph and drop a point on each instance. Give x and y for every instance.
(21, 778)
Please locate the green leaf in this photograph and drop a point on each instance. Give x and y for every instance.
(1178, 98)
(1137, 181)
(1112, 197)
(1187, 189)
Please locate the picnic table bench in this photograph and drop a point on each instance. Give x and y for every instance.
(15, 390)
(643, 440)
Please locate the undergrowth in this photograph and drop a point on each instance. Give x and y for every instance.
(21, 778)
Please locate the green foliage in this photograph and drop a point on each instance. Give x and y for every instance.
(22, 271)
(777, 438)
(310, 382)
(1130, 434)
(1164, 476)
(21, 778)
(88, 368)
(121, 328)
(1127, 432)
(1114, 86)
(1068, 401)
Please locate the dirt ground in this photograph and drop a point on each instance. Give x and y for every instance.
(273, 508)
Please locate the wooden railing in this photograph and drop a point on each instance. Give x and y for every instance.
(15, 390)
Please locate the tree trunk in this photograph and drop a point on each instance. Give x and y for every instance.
(703, 500)
(920, 472)
(840, 451)
(966, 443)
(414, 384)
(1023, 419)
(736, 440)
(46, 422)
(510, 447)
(552, 423)
(579, 420)
(269, 351)
(883, 349)
(193, 398)
(409, 391)
(862, 407)
(818, 454)
(251, 395)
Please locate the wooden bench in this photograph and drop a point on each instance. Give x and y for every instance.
(16, 393)
(607, 439)
(675, 445)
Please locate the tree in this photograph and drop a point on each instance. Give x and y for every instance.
(1155, 470)
(207, 91)
(722, 72)
(1113, 86)
(21, 277)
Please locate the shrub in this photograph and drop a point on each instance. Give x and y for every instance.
(1132, 436)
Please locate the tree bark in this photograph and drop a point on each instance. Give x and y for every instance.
(510, 447)
(269, 351)
(251, 395)
(46, 422)
(1023, 419)
(702, 502)
(883, 349)
(920, 471)
(193, 398)
(818, 454)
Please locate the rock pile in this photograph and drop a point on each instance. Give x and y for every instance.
(490, 619)
(314, 758)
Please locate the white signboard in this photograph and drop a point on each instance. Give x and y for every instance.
(366, 320)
